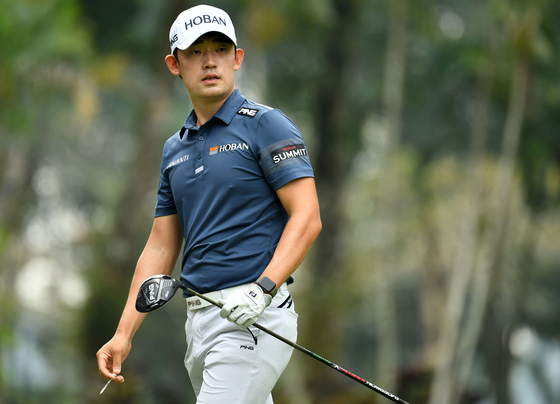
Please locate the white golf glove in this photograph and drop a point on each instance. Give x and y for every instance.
(244, 307)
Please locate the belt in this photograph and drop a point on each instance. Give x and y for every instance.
(197, 303)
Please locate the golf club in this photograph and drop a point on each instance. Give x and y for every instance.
(157, 290)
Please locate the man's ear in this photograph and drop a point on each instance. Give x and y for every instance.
(173, 65)
(239, 55)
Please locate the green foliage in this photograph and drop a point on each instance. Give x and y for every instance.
(86, 104)
(40, 39)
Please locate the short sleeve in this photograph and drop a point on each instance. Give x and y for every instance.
(283, 154)
(165, 204)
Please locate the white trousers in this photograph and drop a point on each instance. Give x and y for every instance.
(229, 364)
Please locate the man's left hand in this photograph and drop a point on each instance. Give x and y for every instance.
(244, 307)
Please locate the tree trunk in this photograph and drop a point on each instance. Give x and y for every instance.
(493, 242)
(459, 343)
(337, 126)
(443, 382)
(387, 259)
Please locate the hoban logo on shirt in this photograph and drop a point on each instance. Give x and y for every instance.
(228, 147)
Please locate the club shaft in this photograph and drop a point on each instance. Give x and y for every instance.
(306, 351)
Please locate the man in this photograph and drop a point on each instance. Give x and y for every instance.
(237, 187)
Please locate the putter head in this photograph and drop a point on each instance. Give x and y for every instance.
(156, 291)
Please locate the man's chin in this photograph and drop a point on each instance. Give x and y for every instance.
(215, 92)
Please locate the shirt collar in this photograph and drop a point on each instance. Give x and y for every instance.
(225, 113)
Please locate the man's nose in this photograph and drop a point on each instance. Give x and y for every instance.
(210, 61)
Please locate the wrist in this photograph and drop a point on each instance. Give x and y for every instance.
(267, 285)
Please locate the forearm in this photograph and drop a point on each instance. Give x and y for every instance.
(159, 257)
(153, 261)
(299, 198)
(301, 231)
(244, 307)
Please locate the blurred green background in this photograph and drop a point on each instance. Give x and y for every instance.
(433, 130)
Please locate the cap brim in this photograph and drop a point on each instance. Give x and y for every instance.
(187, 43)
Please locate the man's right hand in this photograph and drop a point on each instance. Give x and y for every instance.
(111, 356)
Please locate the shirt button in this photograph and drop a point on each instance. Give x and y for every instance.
(201, 137)
(199, 157)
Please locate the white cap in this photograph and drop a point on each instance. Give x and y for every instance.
(191, 24)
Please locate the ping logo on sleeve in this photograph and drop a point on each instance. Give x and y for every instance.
(250, 112)
(288, 152)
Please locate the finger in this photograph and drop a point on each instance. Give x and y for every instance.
(118, 379)
(245, 320)
(227, 308)
(104, 364)
(235, 315)
(117, 364)
(248, 323)
(224, 312)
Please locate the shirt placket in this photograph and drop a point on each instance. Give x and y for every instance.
(199, 150)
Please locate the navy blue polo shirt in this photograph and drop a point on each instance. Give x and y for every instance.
(221, 180)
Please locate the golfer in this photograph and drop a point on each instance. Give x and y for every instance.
(237, 192)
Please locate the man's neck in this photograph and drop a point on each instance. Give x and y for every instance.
(205, 109)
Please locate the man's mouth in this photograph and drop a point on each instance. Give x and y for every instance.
(210, 77)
